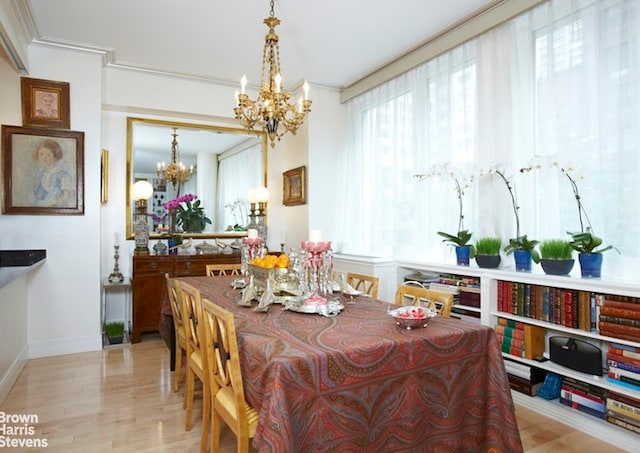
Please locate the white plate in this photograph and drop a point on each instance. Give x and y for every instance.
(331, 308)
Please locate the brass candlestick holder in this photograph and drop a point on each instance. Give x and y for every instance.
(116, 275)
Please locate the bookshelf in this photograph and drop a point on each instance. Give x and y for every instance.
(490, 279)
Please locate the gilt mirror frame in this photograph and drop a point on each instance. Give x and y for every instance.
(132, 121)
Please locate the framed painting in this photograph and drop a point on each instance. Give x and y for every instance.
(293, 187)
(42, 171)
(45, 103)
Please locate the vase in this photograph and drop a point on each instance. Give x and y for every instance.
(556, 267)
(488, 261)
(463, 252)
(173, 250)
(523, 260)
(590, 264)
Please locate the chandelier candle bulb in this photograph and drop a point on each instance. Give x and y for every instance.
(243, 84)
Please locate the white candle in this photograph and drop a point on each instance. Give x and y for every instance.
(252, 233)
(116, 239)
(243, 84)
(315, 236)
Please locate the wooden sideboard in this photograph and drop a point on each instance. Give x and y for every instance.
(149, 287)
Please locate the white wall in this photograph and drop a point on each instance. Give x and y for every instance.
(63, 296)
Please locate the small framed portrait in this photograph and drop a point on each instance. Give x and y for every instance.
(45, 103)
(293, 187)
(42, 171)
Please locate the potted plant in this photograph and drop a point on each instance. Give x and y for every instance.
(114, 331)
(188, 212)
(589, 248)
(464, 250)
(556, 256)
(523, 248)
(488, 252)
(585, 242)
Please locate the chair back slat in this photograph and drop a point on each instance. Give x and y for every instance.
(367, 284)
(223, 269)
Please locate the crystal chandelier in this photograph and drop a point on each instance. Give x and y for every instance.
(271, 110)
(175, 173)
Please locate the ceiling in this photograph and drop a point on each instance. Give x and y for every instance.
(333, 43)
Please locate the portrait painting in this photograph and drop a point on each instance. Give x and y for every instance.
(45, 103)
(42, 171)
(293, 187)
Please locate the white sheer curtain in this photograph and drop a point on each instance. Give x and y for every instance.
(236, 173)
(559, 81)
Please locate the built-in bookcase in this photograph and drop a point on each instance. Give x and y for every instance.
(574, 314)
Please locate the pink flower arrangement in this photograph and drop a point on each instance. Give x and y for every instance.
(173, 204)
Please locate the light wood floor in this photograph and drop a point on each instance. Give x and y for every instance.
(120, 400)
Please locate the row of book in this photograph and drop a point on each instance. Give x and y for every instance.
(623, 363)
(524, 378)
(607, 314)
(520, 339)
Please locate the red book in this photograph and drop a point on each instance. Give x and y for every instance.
(621, 328)
(621, 312)
(615, 334)
(612, 354)
(626, 305)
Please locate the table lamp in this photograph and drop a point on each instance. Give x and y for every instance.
(141, 192)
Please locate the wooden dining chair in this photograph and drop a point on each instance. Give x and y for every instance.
(365, 283)
(438, 301)
(196, 359)
(175, 294)
(225, 375)
(223, 269)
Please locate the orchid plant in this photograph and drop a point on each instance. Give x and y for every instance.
(520, 241)
(189, 212)
(461, 182)
(585, 240)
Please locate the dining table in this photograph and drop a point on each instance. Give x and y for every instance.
(358, 382)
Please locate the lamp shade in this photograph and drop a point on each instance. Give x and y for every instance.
(262, 194)
(142, 190)
(251, 195)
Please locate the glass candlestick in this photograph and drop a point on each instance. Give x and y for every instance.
(250, 250)
(116, 275)
(318, 264)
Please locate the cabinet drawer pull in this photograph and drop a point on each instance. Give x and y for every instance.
(187, 264)
(154, 265)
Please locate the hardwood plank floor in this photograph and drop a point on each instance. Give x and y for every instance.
(120, 400)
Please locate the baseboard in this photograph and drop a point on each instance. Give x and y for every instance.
(12, 374)
(65, 346)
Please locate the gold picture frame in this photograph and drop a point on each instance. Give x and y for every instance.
(104, 176)
(294, 187)
(45, 103)
(42, 171)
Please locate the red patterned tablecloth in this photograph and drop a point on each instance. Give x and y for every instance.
(359, 383)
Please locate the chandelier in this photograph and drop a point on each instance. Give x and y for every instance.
(272, 110)
(175, 173)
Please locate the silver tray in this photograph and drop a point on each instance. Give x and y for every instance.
(331, 308)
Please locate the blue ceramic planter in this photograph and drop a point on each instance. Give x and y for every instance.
(523, 260)
(590, 264)
(462, 255)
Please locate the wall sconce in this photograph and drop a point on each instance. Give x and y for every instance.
(141, 192)
(257, 198)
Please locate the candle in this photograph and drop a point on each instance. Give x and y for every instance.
(243, 84)
(252, 233)
(116, 239)
(315, 236)
(305, 90)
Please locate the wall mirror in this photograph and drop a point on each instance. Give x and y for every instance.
(227, 162)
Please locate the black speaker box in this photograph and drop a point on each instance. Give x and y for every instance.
(576, 354)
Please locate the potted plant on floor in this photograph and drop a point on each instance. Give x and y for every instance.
(114, 331)
(556, 256)
(488, 252)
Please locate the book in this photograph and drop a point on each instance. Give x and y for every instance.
(624, 375)
(626, 305)
(598, 406)
(618, 420)
(619, 407)
(619, 331)
(624, 398)
(534, 339)
(582, 408)
(530, 373)
(626, 347)
(613, 354)
(622, 383)
(596, 392)
(523, 386)
(584, 393)
(621, 312)
(511, 332)
(623, 366)
(619, 320)
(510, 323)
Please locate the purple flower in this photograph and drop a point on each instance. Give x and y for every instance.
(173, 204)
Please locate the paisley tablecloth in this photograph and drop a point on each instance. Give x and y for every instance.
(359, 383)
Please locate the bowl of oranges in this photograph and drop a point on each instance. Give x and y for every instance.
(284, 283)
